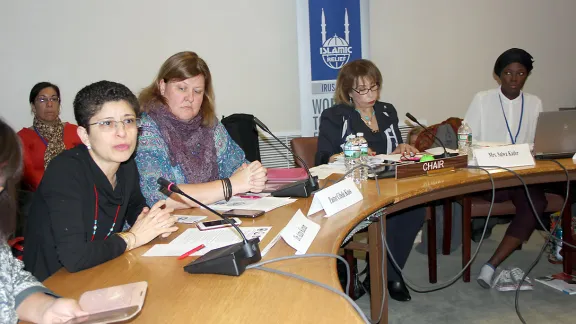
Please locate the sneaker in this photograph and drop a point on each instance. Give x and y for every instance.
(517, 274)
(485, 276)
(504, 281)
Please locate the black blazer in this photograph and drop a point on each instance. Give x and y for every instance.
(339, 121)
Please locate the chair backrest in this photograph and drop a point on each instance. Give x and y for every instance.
(242, 129)
(306, 148)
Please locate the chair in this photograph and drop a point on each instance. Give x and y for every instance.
(306, 148)
(242, 129)
(476, 207)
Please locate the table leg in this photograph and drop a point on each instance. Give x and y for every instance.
(432, 261)
(375, 246)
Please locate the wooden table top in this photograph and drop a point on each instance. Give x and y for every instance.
(175, 296)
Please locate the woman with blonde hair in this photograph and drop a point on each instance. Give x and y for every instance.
(182, 140)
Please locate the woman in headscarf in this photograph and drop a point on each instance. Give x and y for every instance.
(48, 136)
(509, 115)
(182, 140)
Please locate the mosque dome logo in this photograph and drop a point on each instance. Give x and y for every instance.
(336, 50)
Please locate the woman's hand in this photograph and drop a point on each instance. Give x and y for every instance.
(405, 149)
(258, 176)
(153, 222)
(62, 310)
(249, 177)
(334, 157)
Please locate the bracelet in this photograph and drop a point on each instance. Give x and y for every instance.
(228, 189)
(129, 244)
(223, 188)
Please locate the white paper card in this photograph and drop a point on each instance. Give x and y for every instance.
(212, 239)
(505, 156)
(300, 232)
(187, 219)
(270, 245)
(335, 198)
(574, 157)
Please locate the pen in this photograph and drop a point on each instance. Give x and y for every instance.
(249, 197)
(194, 250)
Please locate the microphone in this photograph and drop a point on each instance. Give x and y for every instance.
(446, 154)
(229, 260)
(303, 188)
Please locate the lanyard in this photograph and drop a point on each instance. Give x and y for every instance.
(41, 138)
(513, 139)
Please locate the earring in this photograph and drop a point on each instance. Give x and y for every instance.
(88, 146)
(351, 101)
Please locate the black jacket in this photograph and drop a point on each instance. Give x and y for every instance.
(61, 220)
(337, 122)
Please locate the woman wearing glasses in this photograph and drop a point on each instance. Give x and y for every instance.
(47, 137)
(89, 192)
(357, 109)
(182, 140)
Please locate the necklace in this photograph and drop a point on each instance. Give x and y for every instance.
(96, 218)
(366, 119)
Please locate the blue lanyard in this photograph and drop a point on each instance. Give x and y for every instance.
(41, 138)
(513, 139)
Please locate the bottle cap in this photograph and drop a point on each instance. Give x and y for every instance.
(360, 134)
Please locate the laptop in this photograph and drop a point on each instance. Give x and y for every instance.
(555, 135)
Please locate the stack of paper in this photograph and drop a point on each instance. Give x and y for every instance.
(212, 239)
(265, 204)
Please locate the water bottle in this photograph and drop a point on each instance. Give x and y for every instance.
(363, 155)
(348, 155)
(558, 245)
(464, 139)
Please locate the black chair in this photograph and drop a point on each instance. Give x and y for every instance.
(242, 129)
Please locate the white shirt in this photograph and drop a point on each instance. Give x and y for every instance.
(487, 121)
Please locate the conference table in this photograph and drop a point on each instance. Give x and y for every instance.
(175, 296)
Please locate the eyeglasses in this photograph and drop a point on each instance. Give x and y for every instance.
(364, 91)
(45, 100)
(110, 125)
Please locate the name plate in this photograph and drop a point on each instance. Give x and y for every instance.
(335, 198)
(300, 232)
(431, 167)
(507, 156)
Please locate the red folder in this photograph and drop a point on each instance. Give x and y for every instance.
(286, 175)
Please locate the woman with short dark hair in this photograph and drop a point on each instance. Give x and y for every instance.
(90, 192)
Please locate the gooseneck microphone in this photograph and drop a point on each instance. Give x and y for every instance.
(303, 188)
(446, 154)
(229, 260)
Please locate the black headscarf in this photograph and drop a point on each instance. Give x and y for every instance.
(513, 55)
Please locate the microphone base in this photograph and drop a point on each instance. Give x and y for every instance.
(445, 155)
(300, 189)
(229, 260)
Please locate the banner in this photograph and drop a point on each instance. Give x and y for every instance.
(331, 33)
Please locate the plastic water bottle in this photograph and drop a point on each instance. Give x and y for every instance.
(348, 155)
(464, 139)
(363, 155)
(352, 158)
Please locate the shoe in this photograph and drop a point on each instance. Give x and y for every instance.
(398, 291)
(517, 274)
(485, 276)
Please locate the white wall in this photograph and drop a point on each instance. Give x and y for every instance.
(434, 55)
(250, 46)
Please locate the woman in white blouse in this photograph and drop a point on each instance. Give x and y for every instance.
(509, 115)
